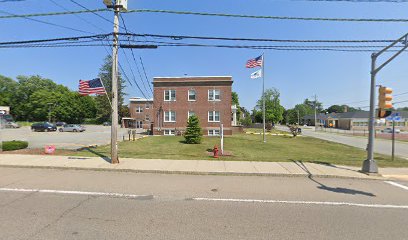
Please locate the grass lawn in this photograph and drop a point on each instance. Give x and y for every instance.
(259, 130)
(245, 147)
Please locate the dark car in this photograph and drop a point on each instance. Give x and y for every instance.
(60, 124)
(106, 124)
(43, 127)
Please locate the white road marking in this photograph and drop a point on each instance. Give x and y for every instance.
(397, 184)
(304, 202)
(118, 195)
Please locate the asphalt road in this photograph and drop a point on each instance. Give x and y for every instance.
(66, 204)
(94, 134)
(381, 146)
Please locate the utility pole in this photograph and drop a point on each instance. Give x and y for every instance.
(370, 165)
(298, 117)
(263, 96)
(116, 5)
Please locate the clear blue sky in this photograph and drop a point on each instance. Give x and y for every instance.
(334, 76)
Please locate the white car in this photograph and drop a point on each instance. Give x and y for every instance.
(72, 128)
(12, 125)
(389, 130)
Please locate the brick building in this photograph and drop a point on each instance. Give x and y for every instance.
(177, 98)
(141, 113)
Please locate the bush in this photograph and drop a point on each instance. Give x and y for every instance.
(193, 134)
(14, 145)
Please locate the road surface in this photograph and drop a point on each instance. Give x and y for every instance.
(56, 204)
(381, 146)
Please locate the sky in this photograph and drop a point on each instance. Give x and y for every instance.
(335, 77)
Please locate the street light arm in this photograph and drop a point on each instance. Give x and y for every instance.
(390, 59)
(401, 39)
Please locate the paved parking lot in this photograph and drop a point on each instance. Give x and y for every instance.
(94, 134)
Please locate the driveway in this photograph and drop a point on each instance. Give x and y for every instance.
(381, 146)
(94, 134)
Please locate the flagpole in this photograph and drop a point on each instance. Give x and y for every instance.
(103, 85)
(263, 95)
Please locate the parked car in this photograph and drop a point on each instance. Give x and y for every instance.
(12, 125)
(43, 127)
(106, 124)
(60, 124)
(72, 128)
(389, 130)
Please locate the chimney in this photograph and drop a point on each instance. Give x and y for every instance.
(345, 109)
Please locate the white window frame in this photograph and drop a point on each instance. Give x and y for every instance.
(212, 96)
(170, 93)
(195, 95)
(213, 132)
(214, 116)
(190, 113)
(170, 114)
(139, 109)
(169, 132)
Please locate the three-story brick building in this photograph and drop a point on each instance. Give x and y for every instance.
(177, 98)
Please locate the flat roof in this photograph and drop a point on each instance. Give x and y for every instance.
(139, 99)
(192, 78)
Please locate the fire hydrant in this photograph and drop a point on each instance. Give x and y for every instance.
(215, 151)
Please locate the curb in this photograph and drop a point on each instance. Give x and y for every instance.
(377, 177)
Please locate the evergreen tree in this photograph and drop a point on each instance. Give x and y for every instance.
(193, 134)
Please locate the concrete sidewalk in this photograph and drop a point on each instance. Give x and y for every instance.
(196, 167)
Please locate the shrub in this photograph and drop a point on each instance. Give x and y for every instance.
(193, 134)
(14, 145)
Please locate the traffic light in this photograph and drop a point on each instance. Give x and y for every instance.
(384, 102)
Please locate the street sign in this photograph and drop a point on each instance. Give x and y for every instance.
(394, 117)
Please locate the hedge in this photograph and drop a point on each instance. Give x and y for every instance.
(14, 145)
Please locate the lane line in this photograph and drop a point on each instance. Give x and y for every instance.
(303, 202)
(97, 194)
(397, 184)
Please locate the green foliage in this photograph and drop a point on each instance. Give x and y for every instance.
(14, 145)
(7, 88)
(235, 101)
(312, 104)
(193, 134)
(273, 110)
(247, 121)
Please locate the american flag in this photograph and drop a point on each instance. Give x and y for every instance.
(93, 86)
(255, 62)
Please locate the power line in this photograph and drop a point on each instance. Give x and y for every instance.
(54, 13)
(134, 59)
(94, 11)
(48, 23)
(269, 17)
(141, 61)
(358, 1)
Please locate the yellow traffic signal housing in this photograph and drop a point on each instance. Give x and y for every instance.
(384, 98)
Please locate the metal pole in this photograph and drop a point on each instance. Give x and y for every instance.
(393, 139)
(370, 165)
(114, 125)
(222, 138)
(263, 95)
(298, 117)
(315, 113)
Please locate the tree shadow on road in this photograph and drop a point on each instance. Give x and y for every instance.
(332, 189)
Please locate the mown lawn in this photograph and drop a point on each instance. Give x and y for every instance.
(245, 147)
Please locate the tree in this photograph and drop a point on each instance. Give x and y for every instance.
(7, 89)
(312, 104)
(273, 109)
(193, 134)
(102, 103)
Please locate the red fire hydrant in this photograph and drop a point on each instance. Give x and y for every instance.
(215, 151)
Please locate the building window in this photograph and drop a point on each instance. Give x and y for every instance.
(191, 95)
(214, 132)
(169, 132)
(139, 109)
(170, 95)
(191, 113)
(147, 106)
(147, 118)
(169, 116)
(214, 95)
(213, 116)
